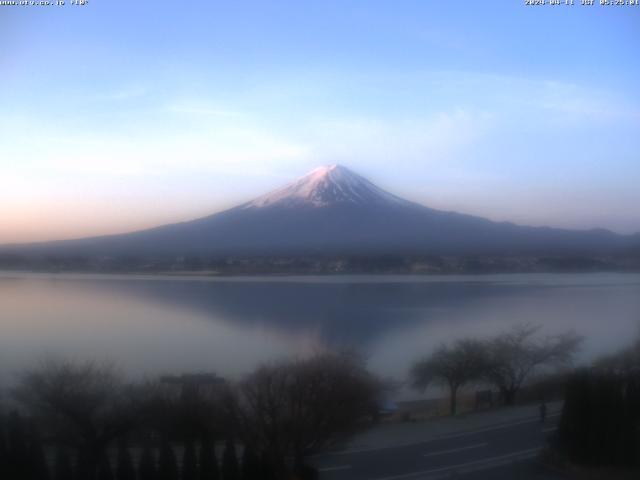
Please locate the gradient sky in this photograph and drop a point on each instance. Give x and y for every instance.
(121, 115)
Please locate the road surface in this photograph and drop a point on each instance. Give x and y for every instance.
(502, 450)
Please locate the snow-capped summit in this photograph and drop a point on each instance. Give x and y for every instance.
(327, 185)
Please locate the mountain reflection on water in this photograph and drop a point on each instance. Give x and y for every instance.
(160, 324)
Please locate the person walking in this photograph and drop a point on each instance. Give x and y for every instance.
(543, 412)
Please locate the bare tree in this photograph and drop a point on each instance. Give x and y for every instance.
(625, 361)
(514, 355)
(85, 406)
(453, 366)
(185, 406)
(295, 408)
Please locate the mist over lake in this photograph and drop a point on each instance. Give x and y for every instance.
(150, 325)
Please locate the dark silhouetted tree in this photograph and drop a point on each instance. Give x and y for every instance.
(454, 366)
(230, 469)
(84, 405)
(147, 469)
(304, 471)
(105, 472)
(38, 469)
(184, 406)
(124, 468)
(17, 446)
(189, 462)
(208, 463)
(62, 467)
(167, 463)
(626, 361)
(600, 422)
(4, 454)
(515, 355)
(268, 470)
(251, 465)
(310, 404)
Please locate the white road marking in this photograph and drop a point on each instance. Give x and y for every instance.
(452, 450)
(489, 429)
(434, 439)
(522, 454)
(550, 429)
(333, 469)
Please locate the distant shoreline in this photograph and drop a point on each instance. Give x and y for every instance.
(355, 276)
(320, 265)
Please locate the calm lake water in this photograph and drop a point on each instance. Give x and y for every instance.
(175, 324)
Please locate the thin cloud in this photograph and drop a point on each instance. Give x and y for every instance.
(126, 93)
(203, 110)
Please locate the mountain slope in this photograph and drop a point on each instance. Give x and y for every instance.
(333, 210)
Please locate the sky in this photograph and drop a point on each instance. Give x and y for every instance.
(121, 115)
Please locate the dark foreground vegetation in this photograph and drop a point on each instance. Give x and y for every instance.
(598, 435)
(69, 421)
(600, 423)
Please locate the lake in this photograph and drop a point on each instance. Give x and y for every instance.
(167, 324)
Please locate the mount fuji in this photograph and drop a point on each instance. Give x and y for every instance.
(325, 186)
(333, 210)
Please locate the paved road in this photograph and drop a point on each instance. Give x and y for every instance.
(499, 451)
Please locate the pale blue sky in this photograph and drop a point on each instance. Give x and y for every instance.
(121, 115)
